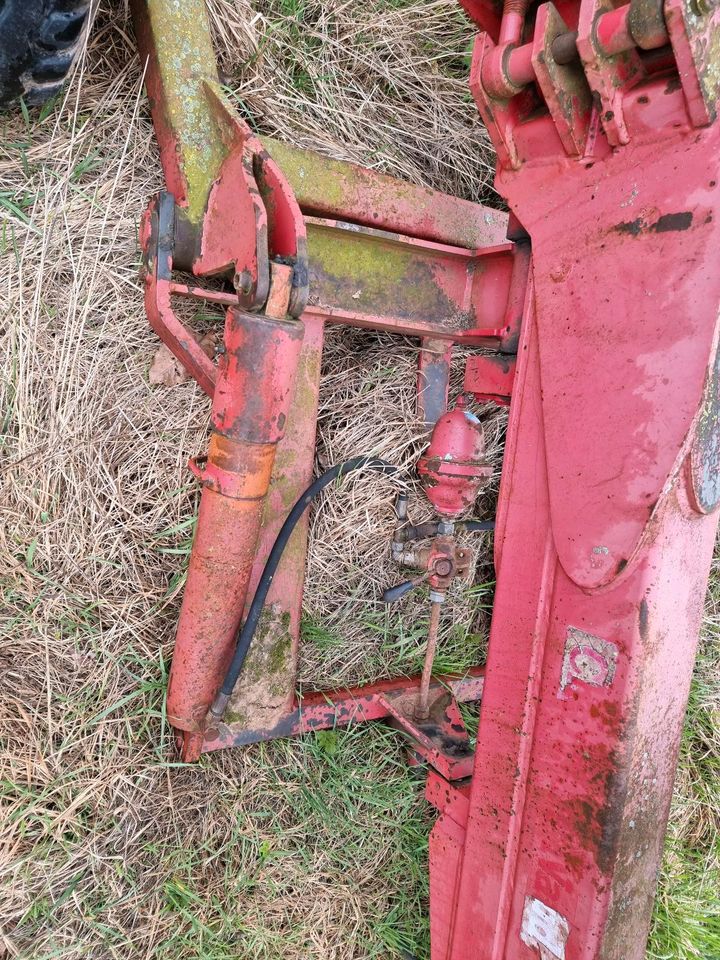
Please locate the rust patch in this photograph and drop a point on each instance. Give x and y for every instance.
(667, 223)
(631, 227)
(670, 222)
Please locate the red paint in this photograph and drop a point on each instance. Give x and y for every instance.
(454, 466)
(327, 709)
(490, 377)
(250, 408)
(607, 508)
(601, 560)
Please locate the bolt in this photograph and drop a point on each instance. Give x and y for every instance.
(244, 281)
(703, 7)
(443, 567)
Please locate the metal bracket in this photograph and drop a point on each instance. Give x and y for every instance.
(564, 87)
(609, 76)
(694, 30)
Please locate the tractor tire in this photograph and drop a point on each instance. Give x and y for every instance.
(39, 40)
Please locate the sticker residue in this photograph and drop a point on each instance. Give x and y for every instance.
(587, 658)
(544, 929)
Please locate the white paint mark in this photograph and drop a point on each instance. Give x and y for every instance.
(544, 929)
(631, 199)
(587, 658)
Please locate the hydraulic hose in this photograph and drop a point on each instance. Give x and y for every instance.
(477, 526)
(247, 631)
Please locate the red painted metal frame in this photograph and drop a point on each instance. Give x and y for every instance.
(328, 709)
(602, 551)
(607, 511)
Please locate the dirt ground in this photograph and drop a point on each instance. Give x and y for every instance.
(298, 849)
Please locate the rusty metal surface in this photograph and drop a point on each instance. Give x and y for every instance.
(235, 210)
(328, 709)
(256, 374)
(367, 277)
(439, 739)
(220, 564)
(265, 691)
(603, 538)
(156, 237)
(422, 705)
(608, 76)
(176, 71)
(602, 548)
(250, 407)
(564, 86)
(694, 29)
(339, 190)
(433, 379)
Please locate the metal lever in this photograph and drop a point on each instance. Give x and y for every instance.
(400, 589)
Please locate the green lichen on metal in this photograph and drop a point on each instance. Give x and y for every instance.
(186, 62)
(710, 71)
(311, 175)
(235, 716)
(270, 647)
(277, 654)
(366, 274)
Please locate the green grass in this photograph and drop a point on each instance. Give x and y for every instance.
(686, 921)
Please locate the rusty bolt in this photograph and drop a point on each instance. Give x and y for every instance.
(244, 281)
(443, 567)
(703, 7)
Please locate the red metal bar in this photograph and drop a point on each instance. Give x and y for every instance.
(250, 408)
(379, 281)
(265, 692)
(326, 709)
(338, 190)
(609, 497)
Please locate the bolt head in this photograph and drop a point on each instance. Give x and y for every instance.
(244, 281)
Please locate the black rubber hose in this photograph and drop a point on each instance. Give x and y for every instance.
(247, 631)
(477, 526)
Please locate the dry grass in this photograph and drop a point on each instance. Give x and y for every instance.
(110, 848)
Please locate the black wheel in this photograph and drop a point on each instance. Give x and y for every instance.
(39, 39)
